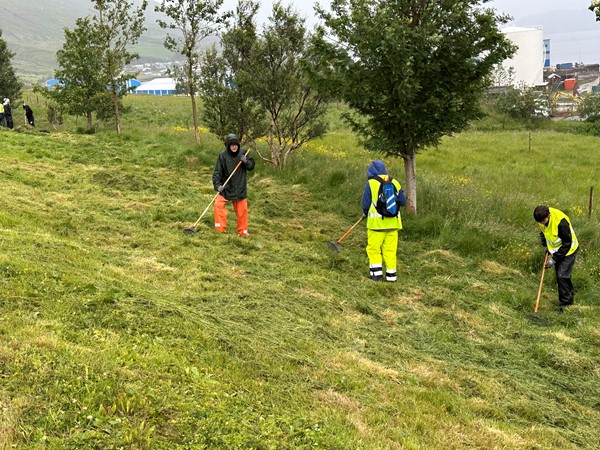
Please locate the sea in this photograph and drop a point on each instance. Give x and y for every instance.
(574, 46)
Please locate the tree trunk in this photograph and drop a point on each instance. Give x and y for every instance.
(89, 120)
(274, 148)
(193, 97)
(116, 105)
(195, 118)
(410, 175)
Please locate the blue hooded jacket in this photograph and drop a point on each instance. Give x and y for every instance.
(377, 167)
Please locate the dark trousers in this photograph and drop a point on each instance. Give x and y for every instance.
(566, 293)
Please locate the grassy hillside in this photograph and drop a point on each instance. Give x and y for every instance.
(34, 31)
(119, 331)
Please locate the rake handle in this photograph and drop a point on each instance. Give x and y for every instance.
(204, 212)
(224, 184)
(537, 302)
(351, 228)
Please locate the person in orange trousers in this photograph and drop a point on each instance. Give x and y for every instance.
(235, 191)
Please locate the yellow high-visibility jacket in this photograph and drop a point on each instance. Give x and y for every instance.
(376, 221)
(550, 232)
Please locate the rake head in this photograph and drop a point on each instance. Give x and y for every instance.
(536, 319)
(334, 246)
(190, 230)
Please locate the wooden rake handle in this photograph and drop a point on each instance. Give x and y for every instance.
(351, 228)
(224, 184)
(537, 302)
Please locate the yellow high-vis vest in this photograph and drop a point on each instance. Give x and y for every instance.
(376, 221)
(553, 242)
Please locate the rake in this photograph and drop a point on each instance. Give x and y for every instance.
(336, 245)
(192, 229)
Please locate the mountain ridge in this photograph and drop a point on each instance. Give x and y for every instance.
(34, 31)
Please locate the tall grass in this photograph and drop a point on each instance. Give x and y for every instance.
(119, 331)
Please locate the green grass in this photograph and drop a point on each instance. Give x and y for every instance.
(119, 331)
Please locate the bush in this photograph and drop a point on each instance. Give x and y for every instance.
(592, 128)
(55, 114)
(523, 104)
(589, 110)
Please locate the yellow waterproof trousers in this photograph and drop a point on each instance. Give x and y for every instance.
(381, 249)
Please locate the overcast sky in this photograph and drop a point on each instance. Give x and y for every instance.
(515, 8)
(523, 8)
(574, 37)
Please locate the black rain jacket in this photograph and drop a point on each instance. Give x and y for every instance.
(236, 187)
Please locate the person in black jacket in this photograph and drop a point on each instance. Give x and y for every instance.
(29, 115)
(8, 113)
(235, 191)
(558, 237)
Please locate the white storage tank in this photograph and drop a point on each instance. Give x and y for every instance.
(528, 61)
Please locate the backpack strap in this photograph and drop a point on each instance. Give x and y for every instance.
(381, 180)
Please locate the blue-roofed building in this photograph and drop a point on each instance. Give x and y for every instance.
(158, 86)
(132, 82)
(51, 83)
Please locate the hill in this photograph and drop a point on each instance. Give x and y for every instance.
(120, 331)
(34, 30)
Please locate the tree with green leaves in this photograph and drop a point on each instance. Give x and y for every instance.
(227, 105)
(10, 86)
(275, 75)
(412, 71)
(523, 104)
(259, 84)
(590, 107)
(83, 82)
(595, 7)
(119, 25)
(193, 21)
(589, 110)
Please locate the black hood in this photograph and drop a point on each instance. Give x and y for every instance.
(232, 139)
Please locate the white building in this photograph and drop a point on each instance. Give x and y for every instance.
(528, 61)
(158, 86)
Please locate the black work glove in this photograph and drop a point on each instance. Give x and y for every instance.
(244, 158)
(221, 188)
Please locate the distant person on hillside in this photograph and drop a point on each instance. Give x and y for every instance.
(383, 220)
(8, 113)
(2, 119)
(236, 189)
(29, 115)
(558, 237)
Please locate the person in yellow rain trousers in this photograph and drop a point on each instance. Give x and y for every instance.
(382, 198)
(558, 236)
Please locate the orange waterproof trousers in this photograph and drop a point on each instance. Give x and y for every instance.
(240, 207)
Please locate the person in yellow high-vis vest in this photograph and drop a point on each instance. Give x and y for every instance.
(382, 231)
(2, 119)
(558, 236)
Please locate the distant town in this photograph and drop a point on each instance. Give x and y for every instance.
(150, 70)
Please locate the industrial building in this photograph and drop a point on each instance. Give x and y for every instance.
(158, 86)
(532, 55)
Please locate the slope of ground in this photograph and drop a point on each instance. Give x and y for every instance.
(119, 331)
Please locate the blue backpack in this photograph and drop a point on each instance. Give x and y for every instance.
(387, 200)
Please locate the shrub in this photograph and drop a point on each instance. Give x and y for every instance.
(590, 108)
